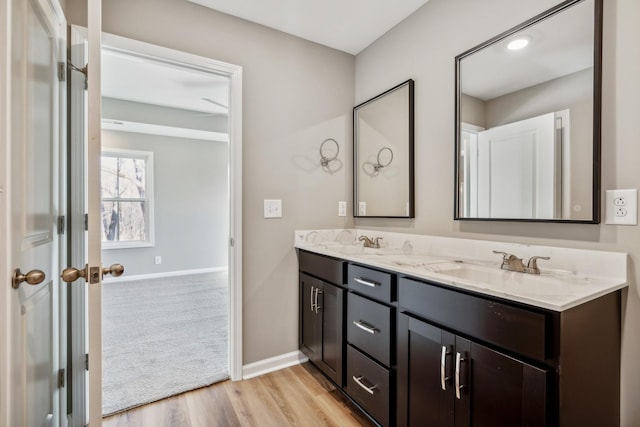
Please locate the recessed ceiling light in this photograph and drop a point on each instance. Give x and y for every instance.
(518, 43)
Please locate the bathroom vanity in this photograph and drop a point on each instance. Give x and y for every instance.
(430, 339)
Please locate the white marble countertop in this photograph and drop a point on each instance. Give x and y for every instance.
(471, 265)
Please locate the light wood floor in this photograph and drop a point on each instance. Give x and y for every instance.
(296, 396)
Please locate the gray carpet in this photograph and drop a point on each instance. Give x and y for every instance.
(161, 337)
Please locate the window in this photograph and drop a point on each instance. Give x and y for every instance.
(126, 198)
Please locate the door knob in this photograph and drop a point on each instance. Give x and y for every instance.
(72, 274)
(33, 277)
(115, 270)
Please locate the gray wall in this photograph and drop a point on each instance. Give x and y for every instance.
(423, 47)
(295, 95)
(190, 204)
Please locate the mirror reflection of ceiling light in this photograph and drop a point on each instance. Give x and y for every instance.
(518, 43)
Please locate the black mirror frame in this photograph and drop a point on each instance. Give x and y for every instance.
(597, 116)
(411, 176)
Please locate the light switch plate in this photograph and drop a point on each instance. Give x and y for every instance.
(621, 207)
(342, 208)
(362, 208)
(272, 208)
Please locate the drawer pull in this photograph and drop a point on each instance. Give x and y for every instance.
(366, 282)
(369, 390)
(365, 327)
(459, 387)
(318, 307)
(443, 368)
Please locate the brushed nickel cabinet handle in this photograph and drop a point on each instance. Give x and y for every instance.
(459, 387)
(318, 307)
(443, 368)
(366, 282)
(311, 300)
(365, 327)
(358, 381)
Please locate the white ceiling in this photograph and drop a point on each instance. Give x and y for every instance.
(559, 46)
(346, 25)
(138, 79)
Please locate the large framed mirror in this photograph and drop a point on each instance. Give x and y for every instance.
(383, 154)
(528, 120)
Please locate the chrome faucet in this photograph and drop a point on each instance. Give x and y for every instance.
(370, 243)
(532, 265)
(513, 263)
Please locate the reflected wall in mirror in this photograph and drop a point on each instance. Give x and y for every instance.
(528, 120)
(383, 154)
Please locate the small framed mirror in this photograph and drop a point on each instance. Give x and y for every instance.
(383, 154)
(528, 120)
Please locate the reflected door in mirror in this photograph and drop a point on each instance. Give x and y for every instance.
(506, 167)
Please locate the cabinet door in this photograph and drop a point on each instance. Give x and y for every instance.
(330, 311)
(483, 389)
(498, 390)
(425, 378)
(310, 339)
(322, 326)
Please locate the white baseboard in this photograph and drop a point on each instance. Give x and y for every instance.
(125, 278)
(271, 364)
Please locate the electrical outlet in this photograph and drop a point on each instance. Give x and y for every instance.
(272, 208)
(342, 208)
(157, 259)
(621, 207)
(362, 208)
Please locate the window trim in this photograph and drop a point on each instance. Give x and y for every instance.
(149, 197)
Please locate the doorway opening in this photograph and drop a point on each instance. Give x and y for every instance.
(167, 213)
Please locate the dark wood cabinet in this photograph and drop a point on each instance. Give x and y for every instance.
(414, 352)
(321, 325)
(442, 376)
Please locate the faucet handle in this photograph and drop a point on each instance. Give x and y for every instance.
(376, 242)
(505, 256)
(532, 265)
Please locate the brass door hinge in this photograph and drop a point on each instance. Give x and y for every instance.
(62, 72)
(61, 378)
(61, 224)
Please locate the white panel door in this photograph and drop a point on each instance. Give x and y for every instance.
(38, 45)
(85, 193)
(518, 169)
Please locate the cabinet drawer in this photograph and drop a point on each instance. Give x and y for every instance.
(322, 267)
(369, 327)
(374, 283)
(368, 384)
(517, 329)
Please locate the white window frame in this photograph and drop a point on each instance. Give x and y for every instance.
(149, 197)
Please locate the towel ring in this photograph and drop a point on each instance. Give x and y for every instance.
(324, 161)
(379, 165)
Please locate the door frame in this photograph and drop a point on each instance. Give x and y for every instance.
(234, 72)
(5, 290)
